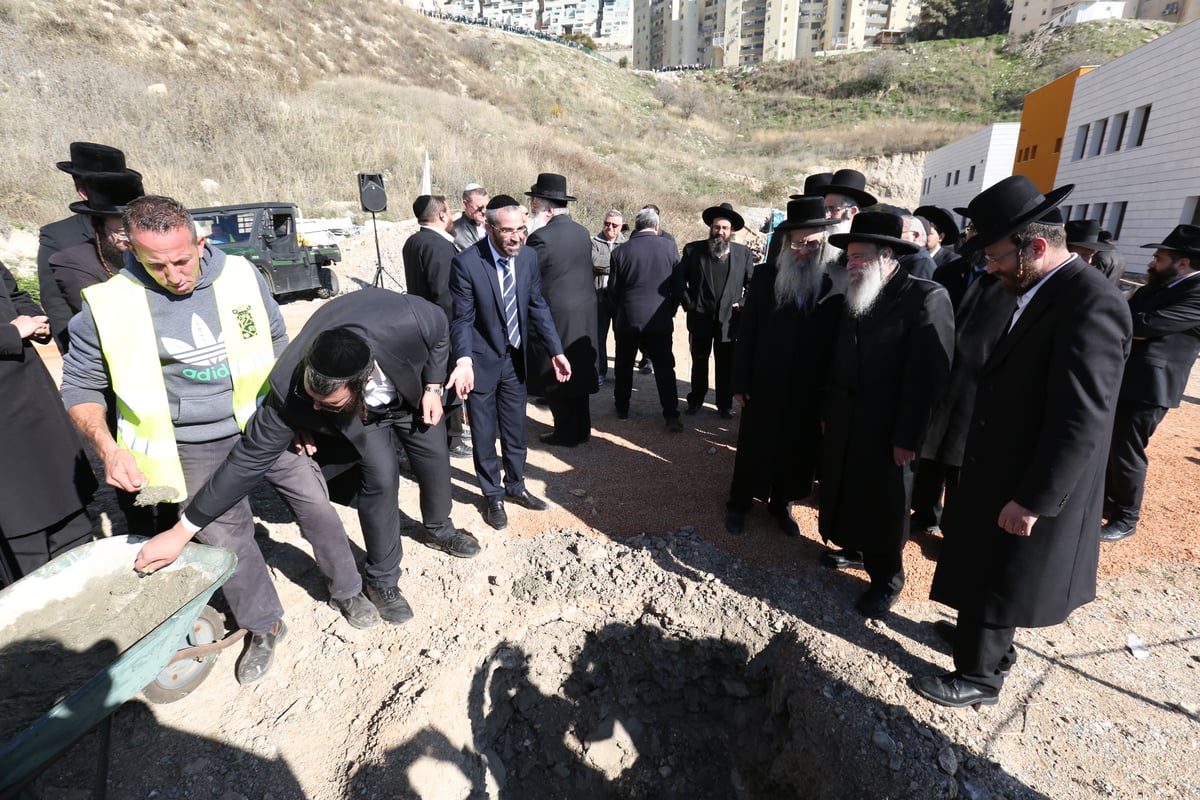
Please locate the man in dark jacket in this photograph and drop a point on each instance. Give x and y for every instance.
(427, 255)
(1166, 339)
(45, 479)
(87, 160)
(890, 363)
(644, 287)
(564, 254)
(781, 355)
(716, 273)
(1022, 535)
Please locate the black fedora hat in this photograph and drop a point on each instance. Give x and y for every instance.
(723, 211)
(89, 157)
(1004, 207)
(876, 227)
(942, 220)
(108, 193)
(550, 186)
(1184, 239)
(805, 212)
(848, 182)
(812, 183)
(1086, 233)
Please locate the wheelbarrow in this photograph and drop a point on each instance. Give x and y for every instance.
(84, 633)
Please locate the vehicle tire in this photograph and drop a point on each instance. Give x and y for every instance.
(267, 280)
(329, 284)
(178, 680)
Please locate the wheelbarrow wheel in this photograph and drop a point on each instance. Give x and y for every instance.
(178, 680)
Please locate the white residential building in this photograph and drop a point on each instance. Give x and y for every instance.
(954, 174)
(1131, 147)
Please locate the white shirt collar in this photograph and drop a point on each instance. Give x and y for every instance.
(440, 231)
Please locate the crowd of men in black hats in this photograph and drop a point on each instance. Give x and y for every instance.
(993, 384)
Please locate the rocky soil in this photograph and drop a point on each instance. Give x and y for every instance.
(621, 645)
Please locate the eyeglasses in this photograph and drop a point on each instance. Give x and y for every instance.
(806, 244)
(833, 211)
(510, 231)
(117, 234)
(994, 260)
(971, 228)
(612, 224)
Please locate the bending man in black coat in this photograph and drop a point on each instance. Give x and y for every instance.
(1166, 339)
(1022, 535)
(367, 369)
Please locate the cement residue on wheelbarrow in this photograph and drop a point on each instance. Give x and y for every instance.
(48, 651)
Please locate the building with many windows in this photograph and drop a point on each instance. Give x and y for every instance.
(1029, 15)
(1043, 129)
(960, 170)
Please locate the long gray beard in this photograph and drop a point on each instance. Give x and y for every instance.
(842, 226)
(861, 295)
(718, 248)
(534, 222)
(798, 279)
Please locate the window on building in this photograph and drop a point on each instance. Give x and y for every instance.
(1080, 211)
(1098, 212)
(971, 174)
(1172, 8)
(1080, 142)
(1066, 211)
(956, 177)
(1058, 145)
(948, 177)
(1033, 152)
(1117, 131)
(1141, 119)
(1117, 220)
(1191, 210)
(1097, 140)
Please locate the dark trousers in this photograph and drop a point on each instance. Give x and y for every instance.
(500, 411)
(1125, 480)
(983, 653)
(886, 567)
(572, 417)
(603, 323)
(378, 511)
(931, 478)
(454, 427)
(700, 346)
(21, 554)
(657, 347)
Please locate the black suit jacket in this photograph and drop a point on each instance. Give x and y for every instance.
(75, 229)
(697, 266)
(427, 256)
(478, 330)
(919, 264)
(1039, 435)
(410, 342)
(645, 283)
(1166, 340)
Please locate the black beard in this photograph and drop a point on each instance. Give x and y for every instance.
(112, 256)
(1158, 278)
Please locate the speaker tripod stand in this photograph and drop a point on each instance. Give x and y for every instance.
(377, 281)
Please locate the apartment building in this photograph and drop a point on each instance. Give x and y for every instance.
(957, 172)
(1029, 15)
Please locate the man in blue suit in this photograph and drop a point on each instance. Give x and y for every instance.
(497, 292)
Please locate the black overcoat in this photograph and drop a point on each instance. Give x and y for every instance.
(44, 474)
(1166, 327)
(1039, 435)
(780, 363)
(888, 369)
(564, 253)
(981, 319)
(76, 268)
(75, 229)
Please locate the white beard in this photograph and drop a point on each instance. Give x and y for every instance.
(798, 279)
(536, 221)
(842, 226)
(864, 290)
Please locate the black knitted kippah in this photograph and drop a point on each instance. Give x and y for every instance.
(501, 201)
(339, 353)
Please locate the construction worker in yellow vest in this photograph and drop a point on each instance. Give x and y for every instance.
(185, 337)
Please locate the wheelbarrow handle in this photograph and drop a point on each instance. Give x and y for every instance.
(202, 650)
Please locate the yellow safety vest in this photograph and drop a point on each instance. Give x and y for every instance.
(130, 347)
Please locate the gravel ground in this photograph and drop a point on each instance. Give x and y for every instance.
(622, 645)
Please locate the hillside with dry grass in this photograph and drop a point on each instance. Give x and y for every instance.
(221, 103)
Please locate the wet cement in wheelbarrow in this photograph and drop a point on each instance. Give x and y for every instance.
(49, 652)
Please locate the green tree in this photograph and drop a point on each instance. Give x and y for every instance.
(963, 19)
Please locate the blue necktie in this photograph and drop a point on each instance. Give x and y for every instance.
(508, 289)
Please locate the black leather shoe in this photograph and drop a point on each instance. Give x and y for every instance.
(459, 544)
(461, 451)
(257, 658)
(691, 409)
(951, 690)
(725, 413)
(842, 559)
(735, 521)
(495, 515)
(646, 368)
(391, 604)
(358, 611)
(783, 518)
(528, 501)
(556, 440)
(875, 603)
(1117, 531)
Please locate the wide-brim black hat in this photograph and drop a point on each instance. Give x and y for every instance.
(876, 227)
(723, 211)
(850, 183)
(108, 193)
(1006, 206)
(805, 212)
(1086, 233)
(943, 220)
(88, 158)
(550, 186)
(812, 183)
(1184, 239)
